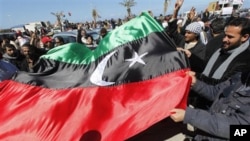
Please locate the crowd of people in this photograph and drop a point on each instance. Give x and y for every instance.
(218, 51)
(219, 58)
(24, 48)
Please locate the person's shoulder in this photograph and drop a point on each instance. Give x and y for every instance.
(247, 51)
(200, 45)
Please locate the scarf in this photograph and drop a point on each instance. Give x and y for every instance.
(223, 67)
(189, 45)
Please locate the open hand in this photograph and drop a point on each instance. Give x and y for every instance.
(178, 4)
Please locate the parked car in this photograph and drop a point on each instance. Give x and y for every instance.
(9, 35)
(94, 34)
(70, 36)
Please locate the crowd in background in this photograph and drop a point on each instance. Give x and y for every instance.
(39, 41)
(217, 48)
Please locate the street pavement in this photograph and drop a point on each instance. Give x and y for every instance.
(165, 130)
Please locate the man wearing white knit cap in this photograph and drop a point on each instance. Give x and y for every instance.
(193, 31)
(188, 39)
(194, 46)
(194, 27)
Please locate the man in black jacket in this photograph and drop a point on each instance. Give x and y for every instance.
(195, 46)
(217, 32)
(233, 56)
(189, 38)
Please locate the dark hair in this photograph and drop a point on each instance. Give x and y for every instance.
(244, 23)
(31, 47)
(90, 37)
(9, 46)
(218, 25)
(103, 30)
(60, 39)
(7, 41)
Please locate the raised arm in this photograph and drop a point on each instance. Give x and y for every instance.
(177, 7)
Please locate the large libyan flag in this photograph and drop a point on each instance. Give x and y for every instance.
(130, 82)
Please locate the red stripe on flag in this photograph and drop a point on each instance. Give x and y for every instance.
(92, 113)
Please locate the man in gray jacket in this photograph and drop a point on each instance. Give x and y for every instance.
(231, 104)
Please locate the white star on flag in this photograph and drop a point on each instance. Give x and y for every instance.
(136, 58)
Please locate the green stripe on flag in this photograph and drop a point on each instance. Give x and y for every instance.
(135, 29)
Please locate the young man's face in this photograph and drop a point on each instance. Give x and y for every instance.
(89, 40)
(25, 50)
(190, 37)
(10, 51)
(48, 45)
(83, 33)
(233, 37)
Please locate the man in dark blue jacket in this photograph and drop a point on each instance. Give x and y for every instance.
(231, 104)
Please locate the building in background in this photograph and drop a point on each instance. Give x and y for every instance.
(225, 7)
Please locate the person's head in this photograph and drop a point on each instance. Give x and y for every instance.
(59, 41)
(5, 41)
(198, 19)
(50, 34)
(90, 40)
(103, 32)
(19, 33)
(237, 32)
(217, 26)
(150, 13)
(26, 49)
(10, 50)
(47, 42)
(83, 33)
(193, 31)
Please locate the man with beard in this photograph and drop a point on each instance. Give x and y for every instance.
(12, 55)
(232, 57)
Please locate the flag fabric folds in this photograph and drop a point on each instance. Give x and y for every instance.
(129, 82)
